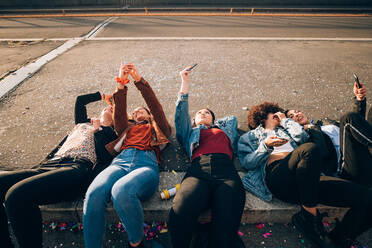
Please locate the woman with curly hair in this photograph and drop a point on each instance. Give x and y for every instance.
(281, 162)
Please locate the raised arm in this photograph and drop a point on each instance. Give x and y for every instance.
(182, 118)
(151, 101)
(80, 106)
(120, 101)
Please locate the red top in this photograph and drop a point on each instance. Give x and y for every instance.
(213, 140)
(139, 136)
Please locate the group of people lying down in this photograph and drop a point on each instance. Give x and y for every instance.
(116, 157)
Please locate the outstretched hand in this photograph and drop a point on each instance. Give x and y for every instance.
(185, 74)
(122, 79)
(134, 72)
(185, 79)
(361, 92)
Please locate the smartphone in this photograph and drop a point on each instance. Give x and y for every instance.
(192, 67)
(357, 80)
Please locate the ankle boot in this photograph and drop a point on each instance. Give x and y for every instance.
(312, 228)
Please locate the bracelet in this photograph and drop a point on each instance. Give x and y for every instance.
(103, 96)
(123, 81)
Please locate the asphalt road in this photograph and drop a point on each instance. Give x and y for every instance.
(314, 76)
(239, 27)
(46, 27)
(329, 27)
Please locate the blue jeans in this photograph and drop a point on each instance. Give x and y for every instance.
(132, 176)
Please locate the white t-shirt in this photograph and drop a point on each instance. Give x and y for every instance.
(334, 133)
(287, 147)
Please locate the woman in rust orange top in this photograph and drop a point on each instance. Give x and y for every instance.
(133, 175)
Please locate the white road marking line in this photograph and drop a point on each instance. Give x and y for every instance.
(99, 27)
(232, 38)
(14, 79)
(196, 38)
(10, 82)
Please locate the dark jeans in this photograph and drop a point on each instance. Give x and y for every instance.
(22, 191)
(356, 147)
(296, 179)
(211, 182)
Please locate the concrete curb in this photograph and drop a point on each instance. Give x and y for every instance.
(255, 210)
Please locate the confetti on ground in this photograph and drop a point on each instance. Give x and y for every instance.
(240, 233)
(266, 235)
(260, 226)
(150, 230)
(174, 172)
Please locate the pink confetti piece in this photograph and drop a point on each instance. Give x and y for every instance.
(260, 226)
(266, 235)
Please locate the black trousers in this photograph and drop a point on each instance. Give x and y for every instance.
(356, 147)
(296, 179)
(211, 182)
(22, 191)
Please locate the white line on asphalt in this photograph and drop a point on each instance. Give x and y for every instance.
(98, 28)
(197, 38)
(232, 38)
(14, 79)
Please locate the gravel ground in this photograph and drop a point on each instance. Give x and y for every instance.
(262, 235)
(312, 76)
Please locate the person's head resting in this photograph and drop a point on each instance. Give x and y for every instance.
(141, 114)
(297, 116)
(205, 117)
(262, 114)
(106, 117)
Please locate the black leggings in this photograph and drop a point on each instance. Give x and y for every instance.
(296, 179)
(22, 191)
(356, 147)
(210, 182)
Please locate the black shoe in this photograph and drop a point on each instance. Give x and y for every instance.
(312, 228)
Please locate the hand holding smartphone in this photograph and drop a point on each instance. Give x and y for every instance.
(357, 80)
(192, 67)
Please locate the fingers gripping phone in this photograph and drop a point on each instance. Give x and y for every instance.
(357, 80)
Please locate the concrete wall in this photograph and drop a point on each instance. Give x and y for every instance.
(142, 3)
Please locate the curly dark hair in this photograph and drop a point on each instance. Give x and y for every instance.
(258, 114)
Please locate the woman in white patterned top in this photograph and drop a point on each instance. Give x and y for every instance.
(63, 176)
